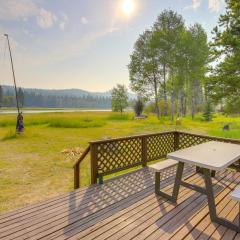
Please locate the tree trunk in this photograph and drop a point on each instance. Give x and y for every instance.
(172, 101)
(165, 90)
(156, 98)
(193, 107)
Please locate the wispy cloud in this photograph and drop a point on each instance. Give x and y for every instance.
(15, 9)
(84, 20)
(215, 5)
(46, 19)
(63, 20)
(195, 5)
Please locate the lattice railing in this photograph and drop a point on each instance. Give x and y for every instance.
(114, 155)
(188, 139)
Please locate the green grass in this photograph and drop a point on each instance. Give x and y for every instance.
(81, 123)
(11, 134)
(32, 167)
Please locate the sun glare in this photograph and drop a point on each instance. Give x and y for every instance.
(128, 6)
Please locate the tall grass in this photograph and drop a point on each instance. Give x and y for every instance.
(120, 117)
(74, 123)
(11, 134)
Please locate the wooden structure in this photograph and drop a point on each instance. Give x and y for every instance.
(126, 207)
(114, 155)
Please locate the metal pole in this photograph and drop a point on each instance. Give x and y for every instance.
(15, 85)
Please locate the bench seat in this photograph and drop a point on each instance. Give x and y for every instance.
(163, 165)
(235, 195)
(159, 168)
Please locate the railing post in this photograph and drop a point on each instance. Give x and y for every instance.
(176, 140)
(144, 151)
(76, 176)
(94, 170)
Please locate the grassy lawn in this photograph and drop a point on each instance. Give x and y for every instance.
(33, 167)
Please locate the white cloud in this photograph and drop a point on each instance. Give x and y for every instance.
(215, 5)
(46, 19)
(12, 10)
(84, 20)
(195, 5)
(64, 21)
(16, 9)
(62, 25)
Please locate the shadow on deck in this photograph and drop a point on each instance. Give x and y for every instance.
(126, 208)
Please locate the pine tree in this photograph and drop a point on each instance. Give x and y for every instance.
(138, 107)
(224, 83)
(208, 112)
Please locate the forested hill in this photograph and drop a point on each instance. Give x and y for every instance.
(66, 98)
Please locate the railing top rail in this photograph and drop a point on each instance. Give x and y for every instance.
(86, 151)
(160, 133)
(212, 137)
(130, 137)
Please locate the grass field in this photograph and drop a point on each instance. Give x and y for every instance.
(33, 167)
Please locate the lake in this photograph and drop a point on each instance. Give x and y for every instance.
(53, 110)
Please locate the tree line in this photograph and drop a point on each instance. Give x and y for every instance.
(32, 99)
(174, 68)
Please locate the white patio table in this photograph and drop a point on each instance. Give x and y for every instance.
(210, 156)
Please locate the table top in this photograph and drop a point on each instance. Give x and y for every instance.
(211, 155)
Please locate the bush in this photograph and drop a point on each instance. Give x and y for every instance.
(138, 107)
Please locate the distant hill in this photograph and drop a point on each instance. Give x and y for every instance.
(51, 98)
(73, 92)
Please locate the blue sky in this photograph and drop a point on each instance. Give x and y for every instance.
(83, 43)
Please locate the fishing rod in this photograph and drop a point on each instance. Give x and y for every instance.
(13, 72)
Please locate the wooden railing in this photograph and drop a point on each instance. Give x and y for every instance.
(76, 168)
(114, 155)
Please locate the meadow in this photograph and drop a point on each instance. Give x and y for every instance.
(38, 164)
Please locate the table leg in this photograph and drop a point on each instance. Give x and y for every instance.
(212, 205)
(178, 180)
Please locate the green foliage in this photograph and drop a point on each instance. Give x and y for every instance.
(169, 61)
(224, 81)
(208, 112)
(119, 98)
(138, 107)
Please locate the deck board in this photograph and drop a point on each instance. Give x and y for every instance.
(126, 207)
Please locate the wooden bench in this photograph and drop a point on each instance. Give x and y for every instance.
(235, 195)
(159, 168)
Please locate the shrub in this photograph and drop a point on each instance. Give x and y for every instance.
(138, 107)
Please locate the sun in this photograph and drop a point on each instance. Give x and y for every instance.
(128, 6)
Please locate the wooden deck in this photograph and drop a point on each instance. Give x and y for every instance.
(127, 208)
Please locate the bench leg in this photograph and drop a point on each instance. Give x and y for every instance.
(173, 197)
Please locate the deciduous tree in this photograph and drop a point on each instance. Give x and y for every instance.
(119, 98)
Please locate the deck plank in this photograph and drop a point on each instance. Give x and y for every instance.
(126, 207)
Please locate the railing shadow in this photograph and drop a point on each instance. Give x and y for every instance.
(102, 201)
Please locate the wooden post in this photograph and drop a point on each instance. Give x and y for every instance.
(94, 170)
(144, 151)
(176, 140)
(76, 176)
